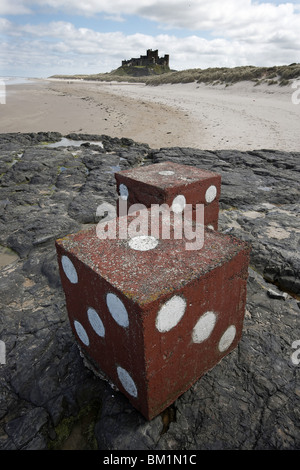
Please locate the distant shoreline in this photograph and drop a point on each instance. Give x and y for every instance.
(9, 81)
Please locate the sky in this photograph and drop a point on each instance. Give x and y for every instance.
(40, 38)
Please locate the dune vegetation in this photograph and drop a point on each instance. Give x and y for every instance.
(276, 75)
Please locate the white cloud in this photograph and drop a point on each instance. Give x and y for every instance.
(60, 47)
(87, 7)
(116, 17)
(14, 7)
(240, 32)
(244, 19)
(217, 15)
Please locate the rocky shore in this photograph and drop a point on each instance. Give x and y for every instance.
(49, 399)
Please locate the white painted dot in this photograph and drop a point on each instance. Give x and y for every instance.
(81, 333)
(124, 193)
(211, 194)
(96, 322)
(204, 327)
(211, 227)
(166, 173)
(69, 269)
(127, 381)
(117, 310)
(170, 314)
(178, 204)
(227, 338)
(143, 243)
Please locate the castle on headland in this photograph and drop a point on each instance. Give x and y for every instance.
(147, 60)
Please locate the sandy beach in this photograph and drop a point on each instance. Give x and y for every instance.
(241, 117)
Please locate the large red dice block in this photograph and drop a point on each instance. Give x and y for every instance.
(150, 314)
(172, 184)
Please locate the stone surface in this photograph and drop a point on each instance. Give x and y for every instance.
(146, 332)
(250, 400)
(173, 184)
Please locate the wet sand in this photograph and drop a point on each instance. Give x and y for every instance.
(93, 108)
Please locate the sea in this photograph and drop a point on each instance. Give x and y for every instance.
(16, 80)
(6, 82)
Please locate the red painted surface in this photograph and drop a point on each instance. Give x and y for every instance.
(147, 186)
(162, 365)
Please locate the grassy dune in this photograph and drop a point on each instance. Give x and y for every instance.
(280, 75)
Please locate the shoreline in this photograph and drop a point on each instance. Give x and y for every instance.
(241, 116)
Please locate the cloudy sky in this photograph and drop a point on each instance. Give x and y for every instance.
(39, 38)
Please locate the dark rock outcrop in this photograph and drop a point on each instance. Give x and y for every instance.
(248, 401)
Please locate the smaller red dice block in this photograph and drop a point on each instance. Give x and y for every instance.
(151, 315)
(172, 184)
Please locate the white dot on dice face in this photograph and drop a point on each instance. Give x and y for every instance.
(204, 327)
(69, 269)
(166, 173)
(96, 322)
(143, 243)
(178, 204)
(124, 193)
(211, 194)
(127, 381)
(170, 314)
(82, 334)
(227, 338)
(117, 310)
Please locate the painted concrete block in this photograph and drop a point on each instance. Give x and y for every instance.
(151, 315)
(172, 184)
